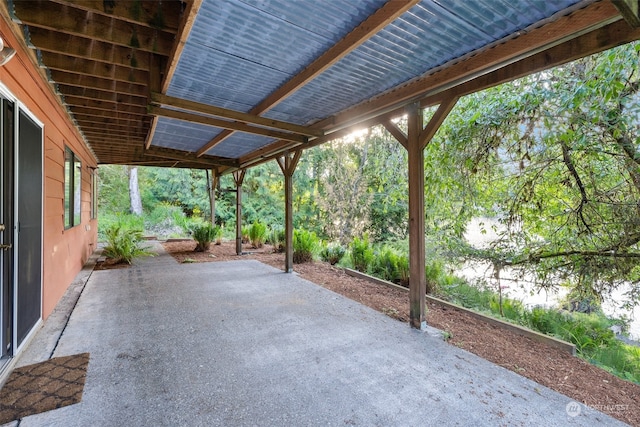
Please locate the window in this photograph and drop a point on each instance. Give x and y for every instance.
(72, 188)
(94, 194)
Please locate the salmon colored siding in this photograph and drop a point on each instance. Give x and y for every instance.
(64, 251)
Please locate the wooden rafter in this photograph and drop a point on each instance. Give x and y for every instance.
(150, 13)
(450, 75)
(63, 77)
(596, 41)
(84, 48)
(363, 32)
(209, 161)
(159, 99)
(630, 10)
(91, 68)
(224, 124)
(78, 22)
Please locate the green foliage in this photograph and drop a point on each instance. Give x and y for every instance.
(204, 234)
(619, 359)
(257, 234)
(305, 244)
(123, 244)
(508, 308)
(361, 253)
(385, 264)
(277, 238)
(466, 295)
(124, 220)
(332, 253)
(245, 234)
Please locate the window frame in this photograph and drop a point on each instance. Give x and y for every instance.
(72, 189)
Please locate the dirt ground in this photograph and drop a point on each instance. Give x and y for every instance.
(543, 364)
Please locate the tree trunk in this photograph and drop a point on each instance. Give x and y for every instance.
(134, 192)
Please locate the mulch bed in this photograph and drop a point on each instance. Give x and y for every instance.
(549, 366)
(43, 386)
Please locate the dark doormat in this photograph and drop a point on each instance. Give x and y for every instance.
(43, 386)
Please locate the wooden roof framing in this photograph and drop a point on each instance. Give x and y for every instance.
(112, 63)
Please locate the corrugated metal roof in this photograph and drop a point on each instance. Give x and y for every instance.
(239, 52)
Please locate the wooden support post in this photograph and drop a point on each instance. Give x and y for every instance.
(212, 184)
(238, 177)
(415, 141)
(417, 279)
(288, 164)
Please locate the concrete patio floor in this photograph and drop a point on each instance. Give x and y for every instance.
(240, 343)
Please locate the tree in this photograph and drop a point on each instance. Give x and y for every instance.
(556, 158)
(344, 197)
(134, 192)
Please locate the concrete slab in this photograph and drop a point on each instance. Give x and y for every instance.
(240, 344)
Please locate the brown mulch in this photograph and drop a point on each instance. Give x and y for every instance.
(43, 386)
(541, 363)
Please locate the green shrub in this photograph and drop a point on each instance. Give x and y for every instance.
(123, 244)
(332, 253)
(126, 221)
(245, 234)
(204, 234)
(619, 359)
(469, 296)
(385, 264)
(403, 270)
(511, 309)
(361, 254)
(277, 238)
(304, 244)
(257, 234)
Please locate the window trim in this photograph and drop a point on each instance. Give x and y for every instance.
(72, 189)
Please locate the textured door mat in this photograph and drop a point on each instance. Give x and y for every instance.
(43, 386)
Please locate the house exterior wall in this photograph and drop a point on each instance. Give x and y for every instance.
(64, 251)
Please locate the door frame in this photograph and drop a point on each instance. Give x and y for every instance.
(21, 107)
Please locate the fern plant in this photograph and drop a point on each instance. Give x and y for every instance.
(361, 254)
(123, 244)
(204, 234)
(277, 239)
(332, 253)
(304, 244)
(257, 234)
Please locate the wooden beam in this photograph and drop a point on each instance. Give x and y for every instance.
(390, 11)
(102, 112)
(498, 55)
(103, 96)
(596, 41)
(85, 67)
(98, 83)
(85, 48)
(73, 21)
(238, 178)
(212, 184)
(107, 117)
(186, 24)
(103, 104)
(417, 279)
(288, 163)
(436, 121)
(209, 161)
(224, 124)
(396, 132)
(183, 104)
(151, 13)
(109, 132)
(630, 11)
